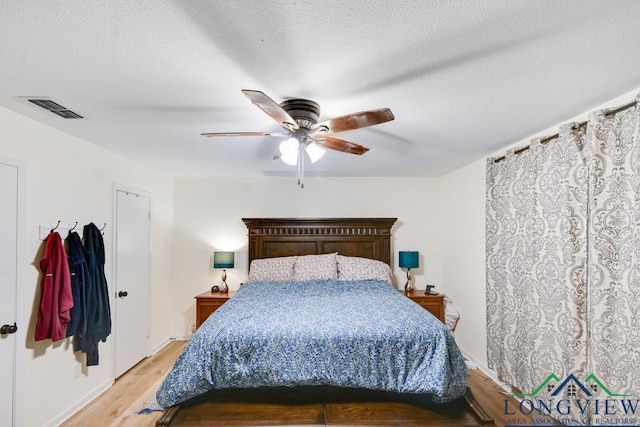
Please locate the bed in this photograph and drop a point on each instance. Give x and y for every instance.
(319, 310)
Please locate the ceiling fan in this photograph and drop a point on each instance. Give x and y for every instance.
(299, 118)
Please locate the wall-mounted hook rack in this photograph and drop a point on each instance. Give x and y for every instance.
(64, 229)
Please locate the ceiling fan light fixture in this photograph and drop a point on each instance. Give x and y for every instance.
(314, 151)
(289, 151)
(291, 160)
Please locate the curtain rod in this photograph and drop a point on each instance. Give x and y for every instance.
(578, 125)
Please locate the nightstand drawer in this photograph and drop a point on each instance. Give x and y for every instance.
(205, 309)
(208, 302)
(434, 308)
(433, 303)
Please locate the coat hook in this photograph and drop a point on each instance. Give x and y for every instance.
(74, 227)
(54, 228)
(103, 227)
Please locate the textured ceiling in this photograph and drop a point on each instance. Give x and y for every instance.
(463, 78)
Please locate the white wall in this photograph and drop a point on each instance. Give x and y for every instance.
(208, 215)
(464, 268)
(71, 180)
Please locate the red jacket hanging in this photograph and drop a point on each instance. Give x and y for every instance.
(56, 299)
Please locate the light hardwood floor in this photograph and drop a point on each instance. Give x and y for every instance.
(119, 405)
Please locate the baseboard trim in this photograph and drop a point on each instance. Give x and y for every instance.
(162, 344)
(470, 356)
(166, 342)
(78, 405)
(485, 369)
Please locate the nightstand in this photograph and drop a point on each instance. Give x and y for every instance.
(208, 302)
(434, 303)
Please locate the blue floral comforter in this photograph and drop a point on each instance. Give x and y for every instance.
(362, 334)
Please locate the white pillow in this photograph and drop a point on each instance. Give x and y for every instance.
(356, 268)
(315, 267)
(273, 269)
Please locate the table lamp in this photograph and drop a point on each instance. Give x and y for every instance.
(408, 260)
(223, 260)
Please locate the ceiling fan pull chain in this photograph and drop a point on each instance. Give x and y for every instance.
(298, 165)
(301, 165)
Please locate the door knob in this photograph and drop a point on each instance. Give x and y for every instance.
(8, 329)
(122, 294)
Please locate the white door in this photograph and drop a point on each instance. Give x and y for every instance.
(8, 288)
(132, 287)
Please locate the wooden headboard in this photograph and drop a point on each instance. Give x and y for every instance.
(361, 237)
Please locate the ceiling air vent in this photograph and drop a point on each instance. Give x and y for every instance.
(55, 108)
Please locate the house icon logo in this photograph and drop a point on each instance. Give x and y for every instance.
(571, 386)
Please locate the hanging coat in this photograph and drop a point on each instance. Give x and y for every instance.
(56, 298)
(98, 307)
(79, 275)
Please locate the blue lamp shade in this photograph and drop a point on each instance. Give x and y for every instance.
(408, 259)
(223, 260)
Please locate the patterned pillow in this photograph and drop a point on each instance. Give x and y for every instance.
(355, 268)
(274, 269)
(315, 267)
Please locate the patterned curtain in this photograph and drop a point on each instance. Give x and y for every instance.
(536, 261)
(563, 258)
(614, 259)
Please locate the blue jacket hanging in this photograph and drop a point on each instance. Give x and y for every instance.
(98, 307)
(79, 277)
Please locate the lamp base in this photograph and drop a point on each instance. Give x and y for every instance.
(223, 285)
(408, 286)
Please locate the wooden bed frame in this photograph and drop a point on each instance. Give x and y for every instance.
(361, 237)
(277, 237)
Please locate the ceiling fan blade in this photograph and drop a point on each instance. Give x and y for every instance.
(242, 134)
(354, 121)
(340, 145)
(269, 106)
